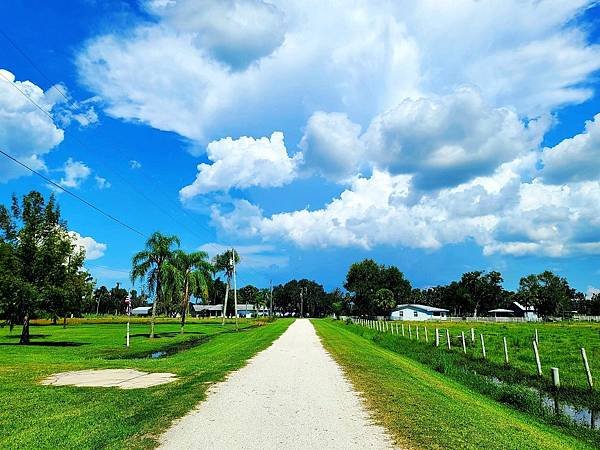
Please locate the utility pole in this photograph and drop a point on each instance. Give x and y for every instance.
(301, 302)
(234, 289)
(271, 297)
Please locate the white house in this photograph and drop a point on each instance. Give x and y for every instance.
(249, 310)
(527, 312)
(207, 310)
(418, 312)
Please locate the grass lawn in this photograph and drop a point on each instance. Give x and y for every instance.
(37, 416)
(425, 409)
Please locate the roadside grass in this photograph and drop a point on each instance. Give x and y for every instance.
(37, 416)
(425, 409)
(559, 346)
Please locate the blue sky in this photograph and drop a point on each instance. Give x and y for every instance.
(439, 136)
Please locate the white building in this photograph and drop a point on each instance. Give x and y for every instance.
(418, 312)
(141, 311)
(526, 312)
(207, 310)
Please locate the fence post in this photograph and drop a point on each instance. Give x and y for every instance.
(402, 329)
(537, 358)
(448, 339)
(437, 337)
(409, 332)
(587, 368)
(505, 351)
(472, 335)
(482, 346)
(555, 377)
(537, 338)
(464, 345)
(426, 336)
(396, 329)
(417, 332)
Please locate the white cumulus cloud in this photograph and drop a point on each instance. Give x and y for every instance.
(243, 162)
(75, 173)
(26, 133)
(93, 249)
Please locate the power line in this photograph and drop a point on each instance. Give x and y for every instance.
(81, 199)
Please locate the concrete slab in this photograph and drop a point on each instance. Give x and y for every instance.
(121, 378)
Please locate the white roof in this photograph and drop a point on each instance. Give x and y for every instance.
(501, 310)
(142, 309)
(523, 308)
(208, 307)
(421, 307)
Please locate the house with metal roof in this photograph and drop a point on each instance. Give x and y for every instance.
(418, 312)
(206, 310)
(141, 311)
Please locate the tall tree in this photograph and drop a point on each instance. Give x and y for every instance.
(550, 294)
(224, 262)
(188, 273)
(45, 262)
(148, 264)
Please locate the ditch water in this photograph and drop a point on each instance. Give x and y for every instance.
(156, 355)
(588, 418)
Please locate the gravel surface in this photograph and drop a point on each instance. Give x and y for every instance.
(290, 396)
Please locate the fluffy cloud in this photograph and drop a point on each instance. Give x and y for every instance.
(331, 145)
(243, 162)
(93, 249)
(133, 164)
(235, 32)
(102, 183)
(361, 58)
(500, 212)
(25, 132)
(76, 172)
(576, 158)
(444, 141)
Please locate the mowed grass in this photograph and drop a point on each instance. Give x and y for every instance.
(37, 416)
(424, 409)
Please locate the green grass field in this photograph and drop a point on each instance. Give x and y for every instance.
(425, 409)
(37, 416)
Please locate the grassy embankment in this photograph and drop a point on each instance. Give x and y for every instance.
(37, 416)
(425, 409)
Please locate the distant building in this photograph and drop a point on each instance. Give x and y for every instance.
(526, 312)
(418, 312)
(249, 310)
(501, 312)
(206, 310)
(141, 311)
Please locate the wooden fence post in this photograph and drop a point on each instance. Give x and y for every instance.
(417, 332)
(402, 329)
(586, 366)
(555, 377)
(464, 345)
(448, 339)
(505, 351)
(482, 346)
(537, 358)
(472, 335)
(437, 337)
(409, 332)
(537, 338)
(426, 336)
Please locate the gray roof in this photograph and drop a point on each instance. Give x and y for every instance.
(421, 307)
(198, 308)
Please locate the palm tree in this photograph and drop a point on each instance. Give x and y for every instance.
(224, 262)
(188, 273)
(148, 266)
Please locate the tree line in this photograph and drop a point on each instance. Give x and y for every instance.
(375, 289)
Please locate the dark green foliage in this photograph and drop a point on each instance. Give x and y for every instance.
(365, 278)
(41, 268)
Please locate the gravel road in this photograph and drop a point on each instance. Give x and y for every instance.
(290, 396)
